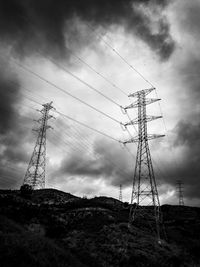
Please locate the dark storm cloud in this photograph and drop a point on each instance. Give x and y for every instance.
(189, 72)
(188, 137)
(108, 161)
(187, 134)
(184, 167)
(83, 164)
(14, 155)
(47, 24)
(10, 121)
(181, 161)
(9, 91)
(27, 26)
(188, 67)
(13, 134)
(190, 17)
(15, 140)
(10, 152)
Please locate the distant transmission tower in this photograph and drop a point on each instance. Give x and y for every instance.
(180, 192)
(144, 199)
(35, 174)
(120, 192)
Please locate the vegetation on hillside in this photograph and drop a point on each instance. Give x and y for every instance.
(53, 228)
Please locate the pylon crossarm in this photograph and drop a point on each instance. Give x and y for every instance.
(132, 122)
(144, 91)
(123, 110)
(132, 140)
(137, 104)
(51, 117)
(154, 136)
(48, 105)
(133, 105)
(149, 101)
(151, 118)
(123, 126)
(139, 139)
(137, 121)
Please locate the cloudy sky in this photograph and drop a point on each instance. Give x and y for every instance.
(50, 49)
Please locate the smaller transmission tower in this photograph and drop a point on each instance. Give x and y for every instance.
(35, 174)
(179, 184)
(120, 193)
(145, 204)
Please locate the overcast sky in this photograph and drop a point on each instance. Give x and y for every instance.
(160, 39)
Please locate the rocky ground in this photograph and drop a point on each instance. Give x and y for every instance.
(53, 228)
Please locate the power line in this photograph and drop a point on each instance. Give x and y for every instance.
(98, 73)
(85, 83)
(64, 91)
(24, 95)
(66, 115)
(31, 99)
(82, 81)
(120, 56)
(87, 126)
(86, 146)
(91, 128)
(131, 66)
(88, 65)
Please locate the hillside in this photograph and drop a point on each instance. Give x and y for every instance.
(53, 228)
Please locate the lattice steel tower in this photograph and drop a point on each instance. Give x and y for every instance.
(144, 191)
(180, 192)
(35, 174)
(120, 193)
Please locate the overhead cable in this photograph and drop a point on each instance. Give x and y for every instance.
(87, 126)
(82, 81)
(64, 91)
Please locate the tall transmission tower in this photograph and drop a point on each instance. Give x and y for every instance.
(120, 193)
(35, 174)
(145, 204)
(180, 192)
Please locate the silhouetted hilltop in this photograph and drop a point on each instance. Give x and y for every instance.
(53, 228)
(41, 196)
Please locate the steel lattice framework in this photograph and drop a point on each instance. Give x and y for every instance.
(180, 192)
(35, 174)
(120, 193)
(145, 204)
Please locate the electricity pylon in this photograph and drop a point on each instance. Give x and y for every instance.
(120, 193)
(35, 174)
(180, 192)
(144, 191)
